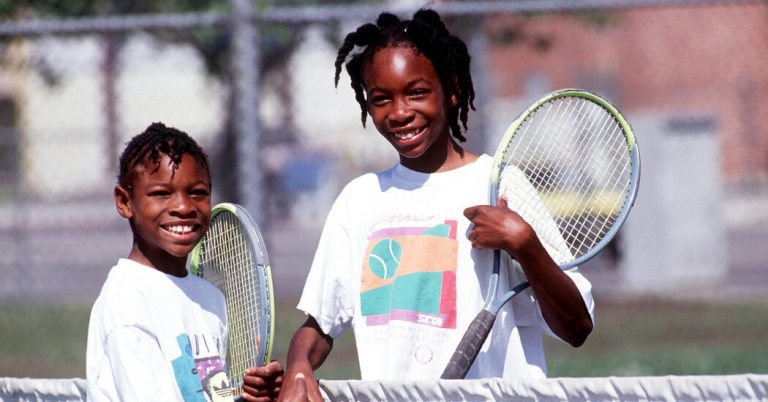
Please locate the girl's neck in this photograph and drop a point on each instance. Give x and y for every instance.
(166, 263)
(453, 156)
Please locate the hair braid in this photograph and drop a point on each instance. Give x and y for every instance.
(426, 34)
(155, 141)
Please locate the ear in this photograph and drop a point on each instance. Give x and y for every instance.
(453, 99)
(123, 202)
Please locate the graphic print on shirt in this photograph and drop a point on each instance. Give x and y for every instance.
(409, 274)
(199, 371)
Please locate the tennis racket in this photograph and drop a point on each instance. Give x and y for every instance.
(569, 165)
(232, 256)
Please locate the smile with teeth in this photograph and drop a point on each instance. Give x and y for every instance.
(179, 229)
(407, 135)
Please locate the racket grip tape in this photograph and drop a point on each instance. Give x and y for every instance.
(469, 346)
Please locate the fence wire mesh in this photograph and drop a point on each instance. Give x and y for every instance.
(73, 91)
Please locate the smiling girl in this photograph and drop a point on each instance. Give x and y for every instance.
(405, 254)
(157, 333)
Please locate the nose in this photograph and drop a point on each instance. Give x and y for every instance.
(183, 205)
(401, 111)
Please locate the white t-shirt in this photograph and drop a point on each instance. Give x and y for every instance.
(394, 262)
(156, 337)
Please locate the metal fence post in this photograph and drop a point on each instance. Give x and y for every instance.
(245, 56)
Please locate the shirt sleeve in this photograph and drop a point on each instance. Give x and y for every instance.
(327, 296)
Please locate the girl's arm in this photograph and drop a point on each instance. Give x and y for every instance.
(560, 300)
(308, 350)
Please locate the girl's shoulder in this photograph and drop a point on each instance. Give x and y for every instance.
(361, 186)
(368, 181)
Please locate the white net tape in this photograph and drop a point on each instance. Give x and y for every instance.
(745, 387)
(740, 387)
(42, 390)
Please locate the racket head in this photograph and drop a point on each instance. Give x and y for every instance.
(233, 257)
(571, 158)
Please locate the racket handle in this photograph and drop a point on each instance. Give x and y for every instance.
(469, 346)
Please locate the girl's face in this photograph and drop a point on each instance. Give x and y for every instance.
(169, 210)
(407, 105)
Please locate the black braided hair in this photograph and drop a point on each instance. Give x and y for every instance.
(425, 33)
(155, 141)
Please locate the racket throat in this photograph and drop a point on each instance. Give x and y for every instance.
(493, 284)
(491, 295)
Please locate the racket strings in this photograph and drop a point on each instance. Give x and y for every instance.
(229, 264)
(592, 224)
(574, 155)
(587, 224)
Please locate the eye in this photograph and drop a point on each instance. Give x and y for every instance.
(159, 193)
(200, 193)
(419, 92)
(378, 100)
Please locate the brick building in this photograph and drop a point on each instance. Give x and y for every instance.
(707, 61)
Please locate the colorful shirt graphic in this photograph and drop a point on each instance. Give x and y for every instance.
(409, 274)
(202, 376)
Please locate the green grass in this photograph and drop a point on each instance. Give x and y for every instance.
(341, 364)
(43, 341)
(656, 338)
(638, 338)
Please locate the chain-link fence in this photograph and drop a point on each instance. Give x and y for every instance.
(255, 87)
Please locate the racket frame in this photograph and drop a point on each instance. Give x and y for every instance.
(494, 304)
(263, 267)
(481, 325)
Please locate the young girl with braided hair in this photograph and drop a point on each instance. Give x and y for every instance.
(156, 332)
(405, 254)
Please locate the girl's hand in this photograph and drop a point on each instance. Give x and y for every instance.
(262, 384)
(499, 227)
(561, 302)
